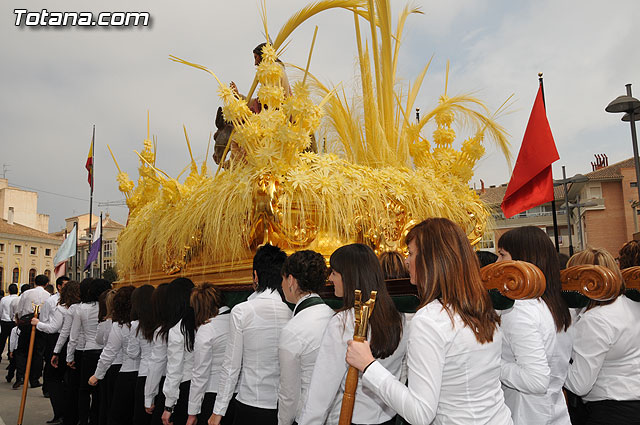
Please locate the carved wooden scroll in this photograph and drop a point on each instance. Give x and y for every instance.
(594, 282)
(631, 278)
(516, 280)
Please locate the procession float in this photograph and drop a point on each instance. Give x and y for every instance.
(384, 174)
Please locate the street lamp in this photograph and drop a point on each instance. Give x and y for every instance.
(631, 106)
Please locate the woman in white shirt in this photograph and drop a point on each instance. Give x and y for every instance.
(212, 324)
(304, 273)
(139, 347)
(354, 267)
(537, 347)
(120, 405)
(453, 353)
(605, 369)
(84, 328)
(179, 332)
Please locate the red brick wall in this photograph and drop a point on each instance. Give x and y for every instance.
(629, 193)
(608, 228)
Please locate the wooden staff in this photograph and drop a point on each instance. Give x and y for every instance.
(32, 341)
(362, 314)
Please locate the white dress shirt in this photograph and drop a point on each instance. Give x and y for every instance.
(299, 345)
(48, 306)
(116, 345)
(13, 310)
(139, 348)
(13, 339)
(208, 353)
(327, 381)
(157, 368)
(102, 337)
(5, 308)
(535, 360)
(54, 324)
(606, 352)
(37, 295)
(452, 378)
(65, 331)
(85, 326)
(179, 365)
(251, 355)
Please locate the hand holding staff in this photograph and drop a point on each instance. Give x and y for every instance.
(32, 339)
(362, 314)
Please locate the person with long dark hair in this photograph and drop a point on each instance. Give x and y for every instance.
(304, 273)
(252, 346)
(537, 347)
(179, 332)
(354, 267)
(212, 324)
(119, 407)
(453, 353)
(153, 395)
(139, 346)
(84, 329)
(605, 367)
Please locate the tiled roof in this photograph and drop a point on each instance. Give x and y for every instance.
(107, 223)
(20, 230)
(612, 172)
(494, 195)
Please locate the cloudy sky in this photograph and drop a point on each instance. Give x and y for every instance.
(57, 83)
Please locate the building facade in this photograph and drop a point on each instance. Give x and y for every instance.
(24, 204)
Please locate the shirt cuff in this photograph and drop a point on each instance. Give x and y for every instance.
(375, 375)
(193, 409)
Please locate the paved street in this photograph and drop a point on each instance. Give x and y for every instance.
(37, 411)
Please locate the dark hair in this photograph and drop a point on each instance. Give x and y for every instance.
(13, 289)
(486, 258)
(267, 263)
(178, 309)
(49, 288)
(206, 301)
(24, 288)
(533, 245)
(629, 254)
(393, 267)
(41, 280)
(121, 312)
(360, 269)
(447, 269)
(562, 260)
(157, 306)
(308, 267)
(70, 294)
(142, 310)
(61, 280)
(97, 287)
(85, 284)
(258, 51)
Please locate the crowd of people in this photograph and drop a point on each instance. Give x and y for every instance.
(178, 354)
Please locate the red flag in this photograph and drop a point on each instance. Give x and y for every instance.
(89, 165)
(531, 182)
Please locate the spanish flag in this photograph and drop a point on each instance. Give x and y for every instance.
(89, 165)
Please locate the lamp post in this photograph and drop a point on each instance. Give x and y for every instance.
(631, 106)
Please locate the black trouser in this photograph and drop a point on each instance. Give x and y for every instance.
(158, 402)
(49, 344)
(206, 410)
(140, 416)
(54, 377)
(5, 331)
(88, 398)
(22, 353)
(107, 388)
(123, 401)
(179, 415)
(245, 414)
(607, 412)
(71, 385)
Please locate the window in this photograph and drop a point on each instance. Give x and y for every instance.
(487, 242)
(107, 248)
(1, 276)
(17, 249)
(32, 276)
(16, 276)
(47, 252)
(633, 184)
(34, 250)
(1, 247)
(47, 273)
(595, 192)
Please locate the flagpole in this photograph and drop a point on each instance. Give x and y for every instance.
(93, 155)
(101, 231)
(76, 226)
(553, 202)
